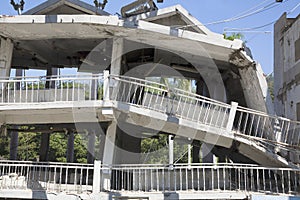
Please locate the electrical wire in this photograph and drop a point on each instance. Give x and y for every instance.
(259, 27)
(240, 16)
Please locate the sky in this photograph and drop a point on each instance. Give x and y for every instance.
(261, 12)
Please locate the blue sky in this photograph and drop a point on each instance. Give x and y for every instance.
(207, 11)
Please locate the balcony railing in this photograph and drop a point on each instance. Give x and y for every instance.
(276, 131)
(51, 89)
(38, 176)
(85, 178)
(222, 177)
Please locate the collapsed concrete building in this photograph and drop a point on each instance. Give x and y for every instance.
(114, 96)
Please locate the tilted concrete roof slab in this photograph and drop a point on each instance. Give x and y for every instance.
(29, 27)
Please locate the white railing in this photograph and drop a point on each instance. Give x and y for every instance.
(174, 102)
(51, 177)
(88, 178)
(282, 131)
(201, 177)
(50, 89)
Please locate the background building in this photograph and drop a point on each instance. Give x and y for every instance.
(287, 67)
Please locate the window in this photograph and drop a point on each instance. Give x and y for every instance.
(297, 50)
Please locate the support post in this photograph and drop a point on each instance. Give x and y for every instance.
(14, 142)
(97, 177)
(196, 151)
(189, 155)
(6, 51)
(106, 85)
(91, 147)
(70, 147)
(116, 57)
(108, 155)
(44, 147)
(171, 150)
(231, 116)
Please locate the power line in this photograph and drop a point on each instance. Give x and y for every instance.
(267, 7)
(258, 27)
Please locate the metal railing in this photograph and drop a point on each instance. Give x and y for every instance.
(39, 176)
(174, 102)
(275, 130)
(262, 126)
(50, 89)
(201, 177)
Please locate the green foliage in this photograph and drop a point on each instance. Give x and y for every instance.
(29, 145)
(233, 36)
(155, 150)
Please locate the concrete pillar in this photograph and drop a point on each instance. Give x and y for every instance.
(196, 151)
(14, 142)
(171, 149)
(19, 73)
(6, 51)
(44, 148)
(109, 146)
(51, 72)
(91, 147)
(70, 147)
(116, 57)
(206, 153)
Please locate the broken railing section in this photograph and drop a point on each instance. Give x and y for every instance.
(172, 101)
(281, 132)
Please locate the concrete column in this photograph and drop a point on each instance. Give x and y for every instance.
(6, 51)
(196, 151)
(129, 148)
(51, 72)
(44, 148)
(70, 147)
(116, 57)
(206, 153)
(171, 149)
(19, 73)
(14, 142)
(109, 146)
(91, 147)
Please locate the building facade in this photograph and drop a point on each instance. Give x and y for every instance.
(287, 67)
